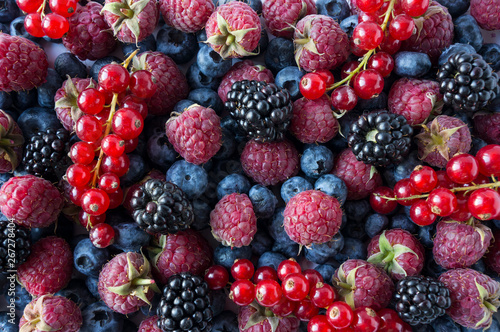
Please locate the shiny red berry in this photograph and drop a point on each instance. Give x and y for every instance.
(118, 165)
(102, 235)
(462, 168)
(142, 84)
(95, 201)
(415, 8)
(442, 202)
(421, 214)
(109, 182)
(242, 269)
(382, 205)
(488, 158)
(444, 180)
(368, 84)
(29, 6)
(91, 101)
(82, 153)
(88, 221)
(313, 277)
(319, 323)
(113, 145)
(65, 8)
(88, 128)
(344, 98)
(402, 27)
(78, 175)
(115, 198)
(367, 35)
(295, 286)
(55, 26)
(127, 123)
(462, 212)
(242, 292)
(327, 77)
(322, 295)
(216, 277)
(339, 315)
(284, 307)
(484, 204)
(114, 78)
(305, 310)
(390, 321)
(423, 179)
(268, 293)
(136, 103)
(404, 189)
(287, 267)
(369, 6)
(366, 319)
(263, 273)
(381, 62)
(312, 86)
(33, 25)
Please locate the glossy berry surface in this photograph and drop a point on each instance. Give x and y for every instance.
(367, 35)
(488, 158)
(484, 204)
(95, 201)
(268, 293)
(113, 145)
(242, 292)
(424, 179)
(242, 269)
(33, 25)
(114, 78)
(264, 273)
(380, 204)
(344, 98)
(64, 8)
(322, 295)
(102, 235)
(421, 213)
(305, 310)
(381, 62)
(366, 319)
(127, 123)
(29, 6)
(91, 101)
(287, 267)
(404, 189)
(55, 26)
(368, 84)
(216, 277)
(442, 202)
(339, 315)
(295, 286)
(142, 84)
(462, 169)
(401, 27)
(319, 323)
(312, 86)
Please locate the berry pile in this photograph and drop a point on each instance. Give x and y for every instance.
(252, 166)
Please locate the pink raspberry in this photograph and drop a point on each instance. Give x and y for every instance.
(196, 134)
(486, 13)
(30, 201)
(187, 16)
(313, 120)
(149, 325)
(247, 321)
(415, 99)
(358, 176)
(48, 268)
(269, 163)
(282, 15)
(312, 217)
(233, 220)
(487, 127)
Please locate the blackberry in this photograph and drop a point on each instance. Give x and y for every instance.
(467, 82)
(380, 138)
(420, 300)
(46, 154)
(185, 304)
(261, 109)
(15, 245)
(161, 207)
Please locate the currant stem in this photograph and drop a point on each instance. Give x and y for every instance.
(479, 186)
(42, 9)
(367, 56)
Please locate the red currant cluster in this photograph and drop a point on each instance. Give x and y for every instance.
(53, 25)
(107, 134)
(291, 291)
(382, 25)
(467, 188)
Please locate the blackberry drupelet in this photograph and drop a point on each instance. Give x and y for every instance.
(420, 299)
(161, 207)
(21, 236)
(185, 304)
(46, 154)
(467, 82)
(380, 138)
(261, 109)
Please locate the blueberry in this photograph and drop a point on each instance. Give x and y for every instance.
(47, 90)
(20, 296)
(78, 292)
(401, 171)
(229, 123)
(477, 144)
(178, 45)
(327, 271)
(375, 224)
(348, 24)
(445, 324)
(283, 244)
(210, 62)
(403, 222)
(347, 120)
(491, 54)
(322, 253)
(208, 98)
(37, 119)
(98, 64)
(130, 237)
(137, 170)
(261, 243)
(426, 234)
(217, 301)
(192, 179)
(270, 258)
(455, 7)
(92, 284)
(196, 79)
(17, 28)
(467, 31)
(201, 211)
(289, 78)
(8, 10)
(254, 4)
(147, 44)
(67, 64)
(279, 55)
(411, 64)
(5, 28)
(9, 322)
(88, 259)
(316, 161)
(293, 186)
(453, 49)
(97, 317)
(160, 152)
(263, 200)
(336, 9)
(337, 143)
(228, 145)
(353, 249)
(182, 105)
(233, 183)
(25, 99)
(357, 210)
(225, 322)
(375, 103)
(332, 185)
(5, 100)
(201, 36)
(226, 256)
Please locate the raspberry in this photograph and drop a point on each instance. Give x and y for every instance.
(282, 15)
(252, 312)
(486, 13)
(187, 16)
(10, 152)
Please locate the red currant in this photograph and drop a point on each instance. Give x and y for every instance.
(423, 179)
(216, 277)
(382, 205)
(127, 123)
(142, 84)
(29, 6)
(344, 98)
(444, 180)
(55, 26)
(115, 198)
(313, 277)
(109, 182)
(82, 153)
(242, 269)
(403, 189)
(136, 103)
(390, 45)
(88, 221)
(264, 273)
(88, 128)
(462, 212)
(327, 77)
(488, 158)
(381, 62)
(348, 68)
(102, 235)
(295, 286)
(442, 202)
(91, 101)
(368, 84)
(462, 168)
(78, 175)
(339, 315)
(367, 35)
(284, 307)
(415, 8)
(33, 25)
(484, 204)
(75, 194)
(131, 144)
(118, 165)
(113, 145)
(366, 319)
(305, 310)
(390, 321)
(268, 293)
(322, 295)
(402, 27)
(114, 78)
(319, 323)
(312, 86)
(421, 214)
(287, 267)
(369, 6)
(103, 115)
(242, 292)
(64, 8)
(95, 201)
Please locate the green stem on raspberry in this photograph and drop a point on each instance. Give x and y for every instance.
(142, 282)
(479, 186)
